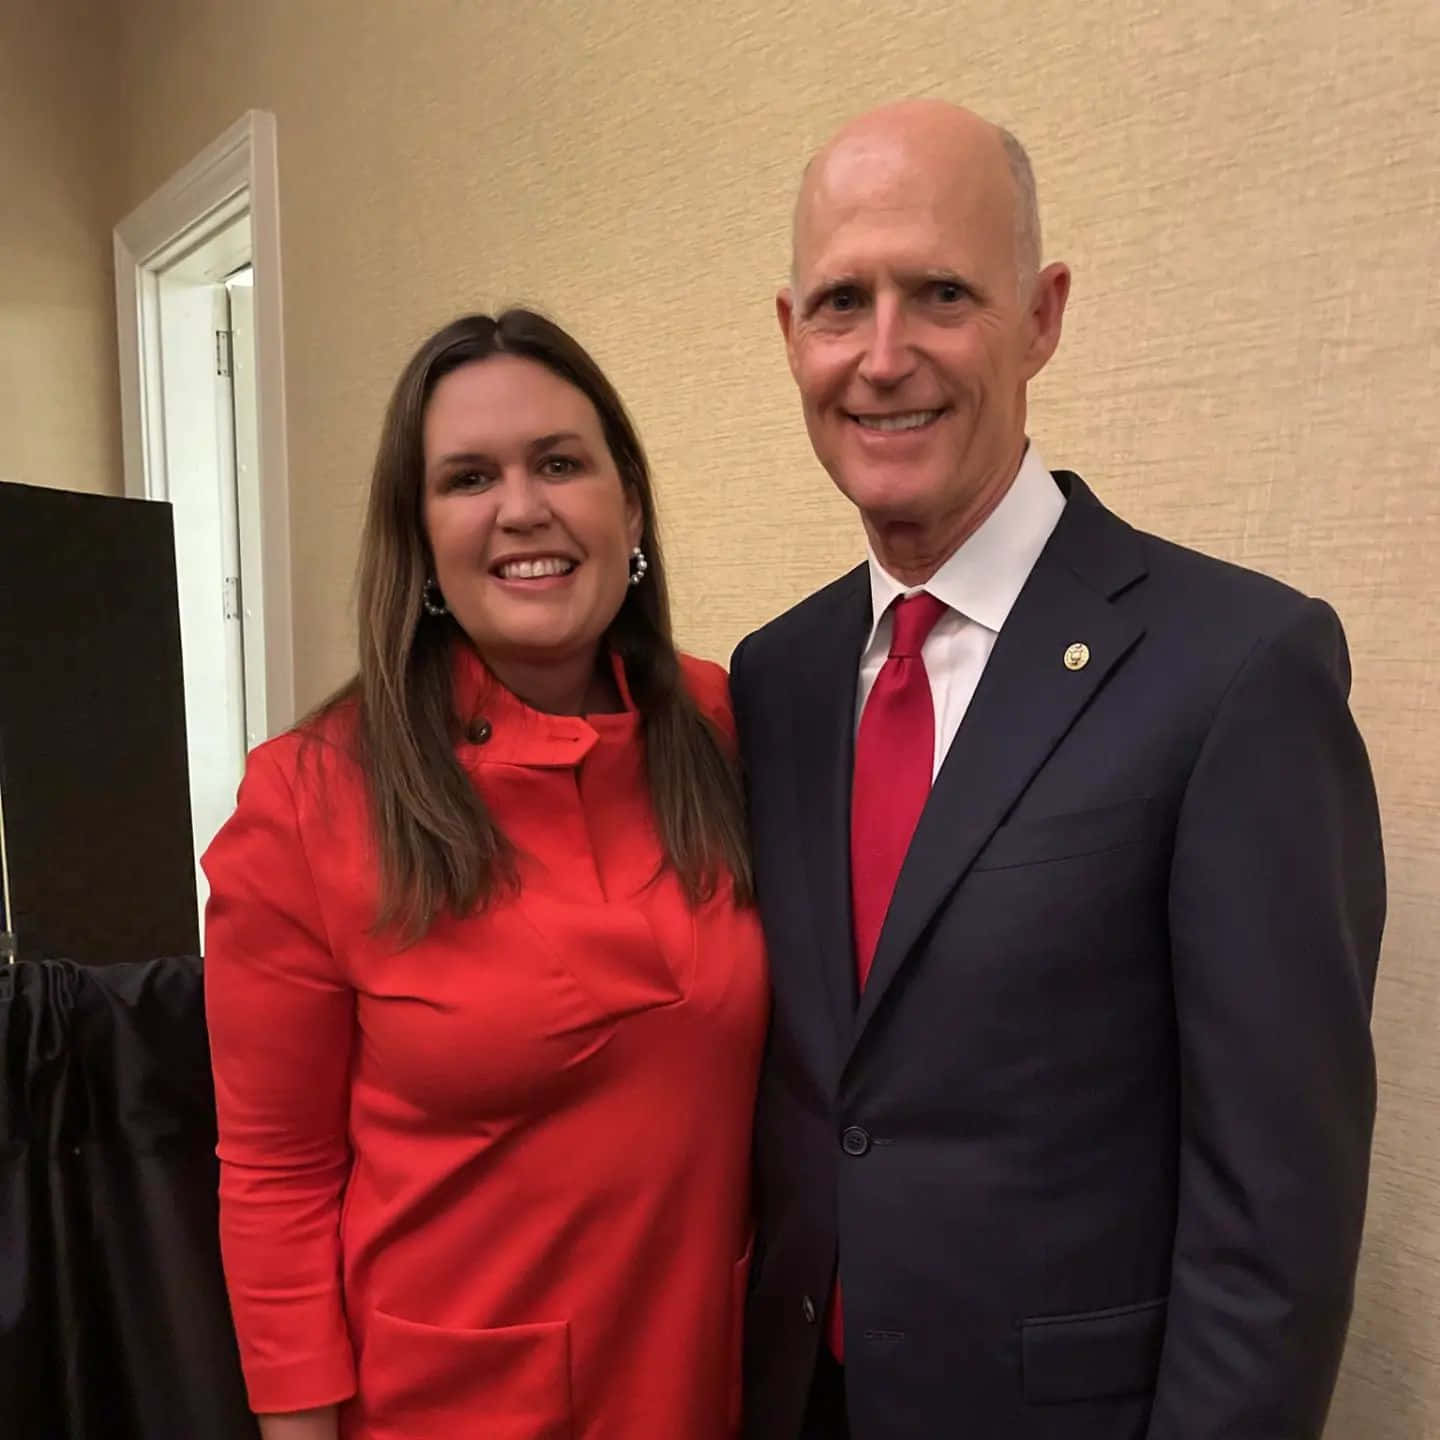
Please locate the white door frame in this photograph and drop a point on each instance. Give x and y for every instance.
(235, 174)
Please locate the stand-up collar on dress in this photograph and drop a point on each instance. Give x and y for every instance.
(498, 728)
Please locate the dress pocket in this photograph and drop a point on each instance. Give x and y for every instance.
(428, 1382)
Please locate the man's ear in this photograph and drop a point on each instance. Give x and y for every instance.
(1046, 315)
(785, 314)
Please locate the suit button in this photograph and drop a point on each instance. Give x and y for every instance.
(807, 1309)
(854, 1141)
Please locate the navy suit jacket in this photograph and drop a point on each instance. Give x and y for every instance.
(1092, 1146)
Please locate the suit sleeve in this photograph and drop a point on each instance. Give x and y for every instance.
(1277, 902)
(281, 1019)
(738, 694)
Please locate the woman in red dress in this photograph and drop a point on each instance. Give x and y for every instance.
(486, 992)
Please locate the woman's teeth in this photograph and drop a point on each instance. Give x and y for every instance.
(535, 569)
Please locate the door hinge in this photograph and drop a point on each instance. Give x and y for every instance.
(232, 597)
(224, 351)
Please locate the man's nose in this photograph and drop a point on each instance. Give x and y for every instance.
(888, 358)
(524, 503)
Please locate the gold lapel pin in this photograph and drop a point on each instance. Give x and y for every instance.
(1077, 657)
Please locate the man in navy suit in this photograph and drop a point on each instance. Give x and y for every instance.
(1070, 868)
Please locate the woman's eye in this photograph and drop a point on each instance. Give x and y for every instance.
(467, 480)
(559, 465)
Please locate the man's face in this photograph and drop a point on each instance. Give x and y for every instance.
(908, 334)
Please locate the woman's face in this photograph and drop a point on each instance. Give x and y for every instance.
(529, 524)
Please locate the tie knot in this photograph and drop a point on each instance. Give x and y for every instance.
(914, 618)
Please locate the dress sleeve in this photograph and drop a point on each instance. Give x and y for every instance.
(281, 1021)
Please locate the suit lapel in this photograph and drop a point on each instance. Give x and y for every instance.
(824, 746)
(1026, 701)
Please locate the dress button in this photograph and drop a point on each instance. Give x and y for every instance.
(807, 1309)
(479, 731)
(854, 1141)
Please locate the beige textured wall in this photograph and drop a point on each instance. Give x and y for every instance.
(59, 145)
(1249, 191)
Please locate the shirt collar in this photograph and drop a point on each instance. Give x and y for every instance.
(984, 577)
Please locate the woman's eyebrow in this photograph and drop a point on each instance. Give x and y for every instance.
(546, 441)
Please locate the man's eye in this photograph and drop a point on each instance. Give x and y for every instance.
(845, 298)
(949, 292)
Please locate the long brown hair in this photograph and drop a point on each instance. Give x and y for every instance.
(439, 848)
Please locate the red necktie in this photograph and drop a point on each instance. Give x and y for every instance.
(894, 763)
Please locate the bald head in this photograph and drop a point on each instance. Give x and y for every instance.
(935, 144)
(915, 318)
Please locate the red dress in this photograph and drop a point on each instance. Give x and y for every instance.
(495, 1184)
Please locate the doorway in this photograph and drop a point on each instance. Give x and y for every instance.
(197, 276)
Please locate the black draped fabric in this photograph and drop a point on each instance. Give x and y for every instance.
(114, 1323)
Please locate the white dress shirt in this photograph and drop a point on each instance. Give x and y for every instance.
(979, 583)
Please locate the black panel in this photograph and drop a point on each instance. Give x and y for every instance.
(92, 728)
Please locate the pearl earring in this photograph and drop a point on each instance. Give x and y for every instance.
(432, 600)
